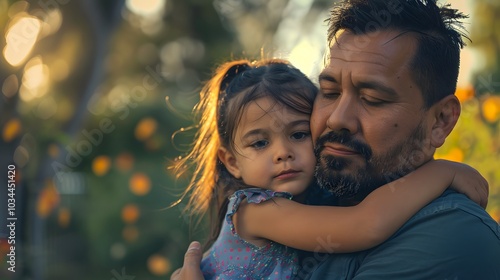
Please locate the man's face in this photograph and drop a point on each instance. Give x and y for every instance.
(368, 120)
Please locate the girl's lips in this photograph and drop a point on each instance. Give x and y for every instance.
(289, 174)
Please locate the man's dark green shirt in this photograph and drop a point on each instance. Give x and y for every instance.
(451, 238)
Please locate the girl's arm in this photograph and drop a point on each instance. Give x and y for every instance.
(348, 229)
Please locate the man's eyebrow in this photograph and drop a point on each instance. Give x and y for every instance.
(327, 77)
(377, 86)
(365, 84)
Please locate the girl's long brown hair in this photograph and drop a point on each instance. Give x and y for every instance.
(219, 113)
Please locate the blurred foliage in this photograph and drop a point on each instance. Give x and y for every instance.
(485, 36)
(84, 118)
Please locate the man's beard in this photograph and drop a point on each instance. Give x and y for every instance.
(379, 169)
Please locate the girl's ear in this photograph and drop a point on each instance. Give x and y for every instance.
(229, 161)
(446, 116)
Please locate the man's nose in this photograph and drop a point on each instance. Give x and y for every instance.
(344, 115)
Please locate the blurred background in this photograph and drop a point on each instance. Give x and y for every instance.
(92, 93)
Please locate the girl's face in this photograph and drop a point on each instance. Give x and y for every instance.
(273, 148)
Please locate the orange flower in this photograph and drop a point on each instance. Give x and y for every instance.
(145, 129)
(48, 199)
(11, 130)
(130, 213)
(158, 265)
(455, 154)
(101, 165)
(140, 184)
(491, 108)
(464, 93)
(495, 214)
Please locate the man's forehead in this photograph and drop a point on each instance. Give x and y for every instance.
(375, 47)
(347, 39)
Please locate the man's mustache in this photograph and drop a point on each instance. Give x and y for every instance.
(345, 139)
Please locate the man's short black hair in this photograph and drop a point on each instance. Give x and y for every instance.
(438, 30)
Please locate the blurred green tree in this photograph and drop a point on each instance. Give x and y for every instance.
(84, 118)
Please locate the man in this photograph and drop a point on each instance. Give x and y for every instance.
(386, 102)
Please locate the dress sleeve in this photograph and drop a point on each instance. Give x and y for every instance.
(252, 195)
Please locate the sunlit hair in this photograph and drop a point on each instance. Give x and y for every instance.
(222, 101)
(438, 30)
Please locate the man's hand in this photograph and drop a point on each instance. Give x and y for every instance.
(192, 260)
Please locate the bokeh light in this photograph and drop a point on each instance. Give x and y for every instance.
(145, 8)
(455, 154)
(140, 184)
(10, 86)
(12, 128)
(158, 265)
(48, 199)
(495, 214)
(35, 79)
(464, 93)
(21, 156)
(491, 108)
(145, 129)
(21, 38)
(130, 213)
(101, 165)
(51, 21)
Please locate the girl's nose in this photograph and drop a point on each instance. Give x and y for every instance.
(283, 153)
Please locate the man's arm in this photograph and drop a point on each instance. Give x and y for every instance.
(191, 269)
(451, 239)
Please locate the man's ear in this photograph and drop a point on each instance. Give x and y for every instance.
(229, 161)
(446, 116)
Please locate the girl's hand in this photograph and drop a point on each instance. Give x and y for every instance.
(469, 181)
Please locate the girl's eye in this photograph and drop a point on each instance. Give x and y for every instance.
(260, 144)
(300, 135)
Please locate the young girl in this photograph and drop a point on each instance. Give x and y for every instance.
(253, 159)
